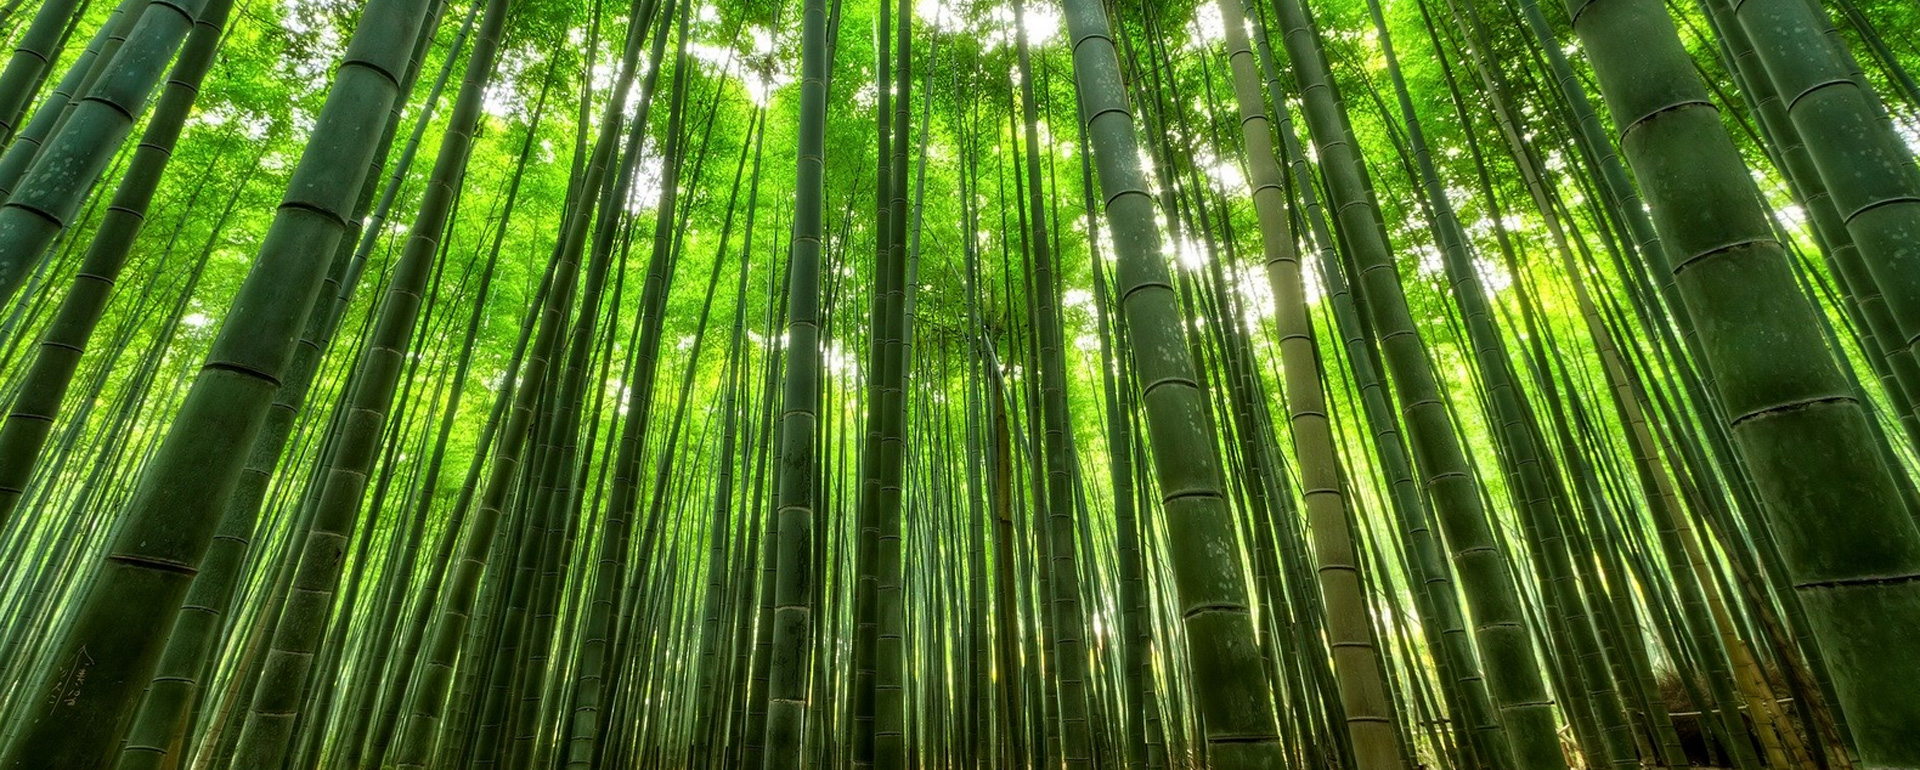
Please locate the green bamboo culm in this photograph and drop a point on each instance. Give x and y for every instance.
(32, 56)
(867, 557)
(303, 619)
(167, 712)
(1522, 450)
(1850, 547)
(108, 651)
(889, 401)
(1514, 677)
(589, 695)
(56, 184)
(1067, 636)
(427, 700)
(1228, 684)
(1363, 685)
(53, 111)
(792, 619)
(31, 418)
(1866, 167)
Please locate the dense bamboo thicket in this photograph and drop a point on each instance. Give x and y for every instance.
(1345, 384)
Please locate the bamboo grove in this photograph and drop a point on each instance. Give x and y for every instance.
(1356, 384)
